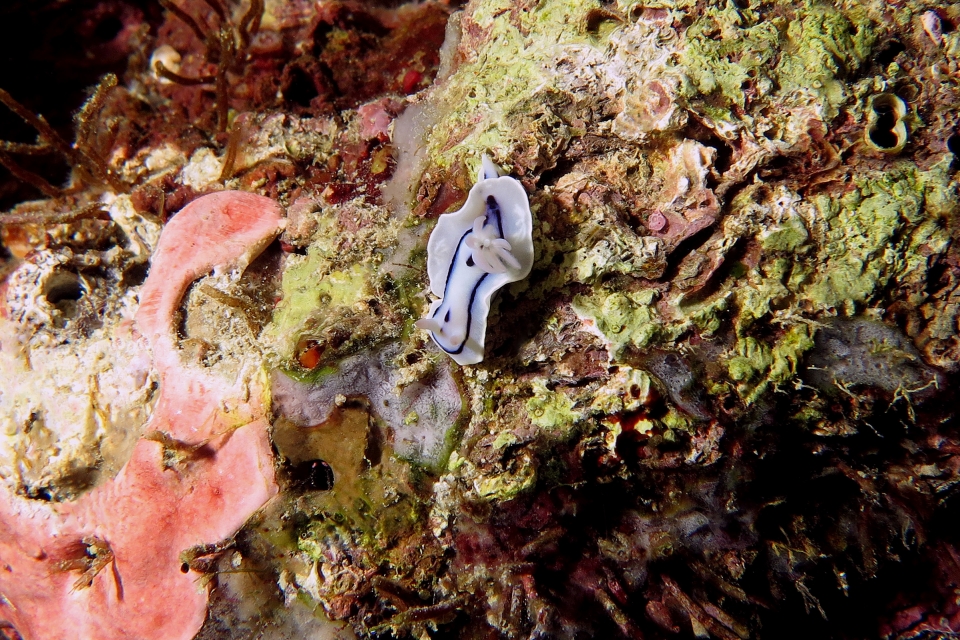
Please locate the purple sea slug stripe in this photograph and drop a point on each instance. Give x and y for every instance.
(471, 254)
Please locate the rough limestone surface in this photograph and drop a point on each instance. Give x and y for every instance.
(721, 405)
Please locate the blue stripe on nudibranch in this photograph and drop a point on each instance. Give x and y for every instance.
(494, 209)
(473, 294)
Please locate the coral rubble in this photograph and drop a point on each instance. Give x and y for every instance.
(719, 406)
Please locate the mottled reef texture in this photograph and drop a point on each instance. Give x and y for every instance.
(722, 405)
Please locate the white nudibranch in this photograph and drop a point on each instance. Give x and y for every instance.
(473, 252)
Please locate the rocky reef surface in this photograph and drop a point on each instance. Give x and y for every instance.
(721, 405)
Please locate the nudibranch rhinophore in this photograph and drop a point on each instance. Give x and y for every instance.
(473, 252)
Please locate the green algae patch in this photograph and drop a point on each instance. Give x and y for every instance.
(675, 421)
(373, 498)
(310, 293)
(386, 510)
(724, 64)
(787, 237)
(837, 255)
(519, 478)
(787, 353)
(866, 240)
(623, 318)
(728, 49)
(627, 7)
(826, 254)
(752, 358)
(552, 409)
(826, 45)
(344, 288)
(756, 366)
(930, 238)
(860, 231)
(707, 317)
(505, 439)
(765, 287)
(502, 99)
(834, 255)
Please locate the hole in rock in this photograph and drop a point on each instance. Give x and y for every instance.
(889, 52)
(599, 21)
(684, 249)
(312, 475)
(63, 289)
(301, 89)
(135, 275)
(953, 144)
(881, 133)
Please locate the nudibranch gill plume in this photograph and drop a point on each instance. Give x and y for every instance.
(472, 253)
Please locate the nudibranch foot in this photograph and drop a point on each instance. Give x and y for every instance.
(471, 254)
